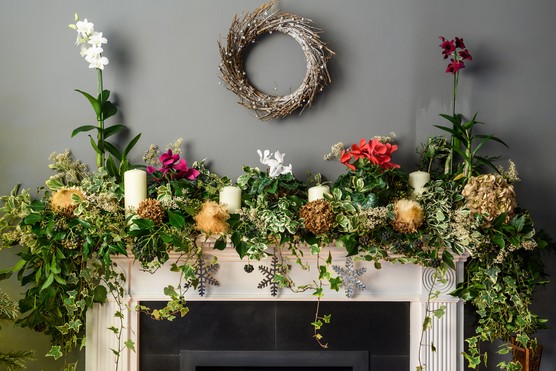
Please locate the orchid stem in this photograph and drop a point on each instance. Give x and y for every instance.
(100, 120)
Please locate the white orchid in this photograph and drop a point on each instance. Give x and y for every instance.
(91, 43)
(275, 165)
(96, 39)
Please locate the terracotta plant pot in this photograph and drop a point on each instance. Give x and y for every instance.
(530, 360)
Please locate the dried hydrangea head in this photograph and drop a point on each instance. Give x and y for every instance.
(151, 209)
(211, 218)
(408, 216)
(318, 216)
(490, 195)
(63, 202)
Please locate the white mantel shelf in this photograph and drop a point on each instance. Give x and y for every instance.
(392, 283)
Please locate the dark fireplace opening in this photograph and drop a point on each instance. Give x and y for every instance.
(192, 360)
(380, 329)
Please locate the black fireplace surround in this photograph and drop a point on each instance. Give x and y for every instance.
(237, 335)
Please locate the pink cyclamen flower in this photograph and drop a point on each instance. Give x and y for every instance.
(173, 167)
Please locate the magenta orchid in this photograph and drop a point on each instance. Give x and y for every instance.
(173, 168)
(456, 51)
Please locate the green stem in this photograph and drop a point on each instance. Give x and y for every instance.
(100, 120)
(454, 141)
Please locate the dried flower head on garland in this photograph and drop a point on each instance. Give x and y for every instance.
(243, 33)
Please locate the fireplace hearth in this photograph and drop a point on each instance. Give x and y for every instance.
(273, 361)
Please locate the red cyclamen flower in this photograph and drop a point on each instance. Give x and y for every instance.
(375, 152)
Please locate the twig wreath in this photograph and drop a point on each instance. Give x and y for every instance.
(244, 31)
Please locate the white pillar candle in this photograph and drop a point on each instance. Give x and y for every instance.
(135, 188)
(417, 181)
(318, 192)
(231, 197)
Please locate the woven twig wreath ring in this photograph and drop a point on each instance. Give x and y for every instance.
(244, 31)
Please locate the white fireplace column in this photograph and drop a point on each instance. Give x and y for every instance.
(393, 282)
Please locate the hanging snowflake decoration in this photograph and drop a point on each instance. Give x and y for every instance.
(204, 273)
(269, 276)
(350, 276)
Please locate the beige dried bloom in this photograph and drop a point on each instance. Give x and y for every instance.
(211, 218)
(150, 156)
(510, 174)
(408, 216)
(335, 152)
(386, 138)
(373, 217)
(176, 146)
(151, 209)
(529, 245)
(490, 195)
(318, 216)
(62, 201)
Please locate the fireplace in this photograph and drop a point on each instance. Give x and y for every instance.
(380, 330)
(273, 361)
(394, 284)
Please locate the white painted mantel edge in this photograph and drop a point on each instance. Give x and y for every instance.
(393, 282)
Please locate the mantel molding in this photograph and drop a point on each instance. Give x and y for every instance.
(393, 282)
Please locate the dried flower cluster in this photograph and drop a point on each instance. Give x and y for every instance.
(151, 209)
(211, 218)
(62, 201)
(408, 216)
(243, 33)
(373, 217)
(490, 195)
(318, 216)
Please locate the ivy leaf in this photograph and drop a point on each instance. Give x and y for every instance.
(130, 344)
(55, 351)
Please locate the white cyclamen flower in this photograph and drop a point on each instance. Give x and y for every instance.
(275, 165)
(264, 158)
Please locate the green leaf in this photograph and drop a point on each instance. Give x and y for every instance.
(130, 146)
(48, 281)
(220, 244)
(108, 110)
(95, 103)
(55, 351)
(130, 344)
(176, 220)
(111, 167)
(111, 130)
(113, 150)
(82, 129)
(32, 219)
(99, 295)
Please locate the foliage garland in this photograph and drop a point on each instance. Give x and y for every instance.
(244, 32)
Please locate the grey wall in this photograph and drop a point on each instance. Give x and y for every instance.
(387, 76)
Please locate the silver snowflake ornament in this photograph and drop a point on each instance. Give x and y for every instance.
(350, 276)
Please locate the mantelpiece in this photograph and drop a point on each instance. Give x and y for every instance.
(393, 282)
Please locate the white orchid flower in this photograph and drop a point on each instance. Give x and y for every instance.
(99, 62)
(97, 40)
(84, 29)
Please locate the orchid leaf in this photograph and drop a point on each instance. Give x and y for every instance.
(111, 167)
(94, 145)
(114, 129)
(112, 149)
(103, 97)
(96, 105)
(108, 110)
(130, 146)
(82, 129)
